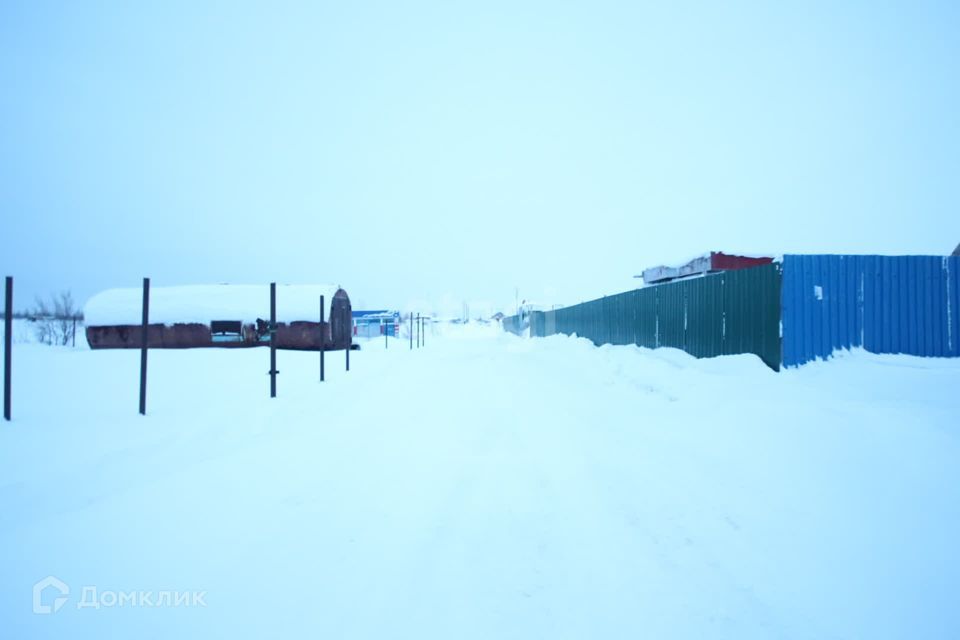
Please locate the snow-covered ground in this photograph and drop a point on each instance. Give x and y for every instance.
(486, 486)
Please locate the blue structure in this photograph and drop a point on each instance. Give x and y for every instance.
(885, 304)
(368, 324)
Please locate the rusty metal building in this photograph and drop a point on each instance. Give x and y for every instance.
(220, 316)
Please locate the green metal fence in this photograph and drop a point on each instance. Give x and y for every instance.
(720, 314)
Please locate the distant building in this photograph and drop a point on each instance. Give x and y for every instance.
(370, 324)
(956, 252)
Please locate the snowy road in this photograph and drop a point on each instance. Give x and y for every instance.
(484, 487)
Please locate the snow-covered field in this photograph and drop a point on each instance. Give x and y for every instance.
(25, 331)
(486, 486)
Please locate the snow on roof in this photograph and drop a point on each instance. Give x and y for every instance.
(376, 315)
(203, 303)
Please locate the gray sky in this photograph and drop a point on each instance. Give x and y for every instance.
(447, 151)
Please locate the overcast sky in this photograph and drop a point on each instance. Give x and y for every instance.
(447, 151)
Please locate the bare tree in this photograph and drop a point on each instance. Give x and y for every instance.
(41, 316)
(56, 321)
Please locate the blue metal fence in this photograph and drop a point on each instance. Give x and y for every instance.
(885, 304)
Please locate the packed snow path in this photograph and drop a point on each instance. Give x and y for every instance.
(485, 486)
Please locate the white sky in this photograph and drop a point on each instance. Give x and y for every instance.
(427, 153)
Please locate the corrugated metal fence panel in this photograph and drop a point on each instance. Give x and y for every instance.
(621, 331)
(563, 321)
(909, 310)
(886, 304)
(671, 303)
(605, 321)
(609, 320)
(549, 323)
(952, 293)
(951, 298)
(791, 317)
(512, 324)
(873, 312)
(646, 318)
(821, 313)
(582, 320)
(703, 316)
(751, 313)
(624, 306)
(537, 322)
(599, 312)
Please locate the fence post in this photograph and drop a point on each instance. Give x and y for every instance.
(7, 346)
(144, 328)
(411, 330)
(385, 334)
(348, 350)
(423, 321)
(418, 331)
(273, 339)
(322, 341)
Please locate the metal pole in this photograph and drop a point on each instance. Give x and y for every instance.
(424, 322)
(348, 351)
(73, 334)
(411, 330)
(322, 341)
(144, 327)
(385, 334)
(7, 347)
(418, 331)
(273, 339)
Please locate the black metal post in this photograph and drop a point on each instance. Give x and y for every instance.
(73, 334)
(144, 326)
(411, 330)
(348, 351)
(7, 348)
(418, 331)
(273, 339)
(322, 340)
(385, 337)
(424, 323)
